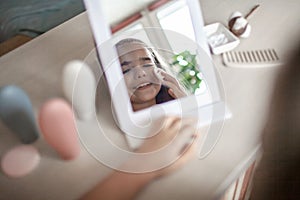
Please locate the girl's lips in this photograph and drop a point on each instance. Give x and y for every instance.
(143, 86)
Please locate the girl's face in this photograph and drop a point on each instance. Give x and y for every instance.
(138, 69)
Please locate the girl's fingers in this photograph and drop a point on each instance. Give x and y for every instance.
(191, 143)
(171, 121)
(169, 78)
(170, 85)
(187, 150)
(170, 91)
(175, 91)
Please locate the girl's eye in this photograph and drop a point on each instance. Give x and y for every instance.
(125, 71)
(148, 65)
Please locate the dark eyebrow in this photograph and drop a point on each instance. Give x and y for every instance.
(125, 63)
(141, 58)
(145, 58)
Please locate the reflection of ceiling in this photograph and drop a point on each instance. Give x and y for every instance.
(118, 10)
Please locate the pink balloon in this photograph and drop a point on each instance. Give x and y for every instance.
(57, 124)
(20, 161)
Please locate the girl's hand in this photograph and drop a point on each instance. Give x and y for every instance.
(182, 134)
(175, 89)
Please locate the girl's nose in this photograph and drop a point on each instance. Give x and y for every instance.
(139, 73)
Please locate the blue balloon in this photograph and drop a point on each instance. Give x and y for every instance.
(17, 113)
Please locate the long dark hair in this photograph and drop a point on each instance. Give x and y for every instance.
(278, 175)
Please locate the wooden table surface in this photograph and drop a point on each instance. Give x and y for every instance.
(37, 66)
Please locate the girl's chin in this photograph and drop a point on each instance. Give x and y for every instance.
(145, 94)
(143, 98)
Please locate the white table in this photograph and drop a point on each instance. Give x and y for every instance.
(37, 66)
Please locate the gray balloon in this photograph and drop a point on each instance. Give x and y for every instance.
(17, 113)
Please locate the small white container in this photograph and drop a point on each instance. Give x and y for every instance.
(220, 39)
